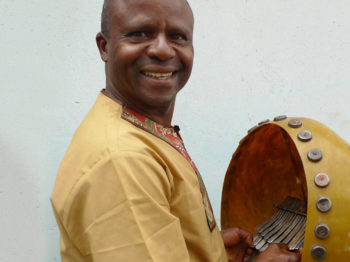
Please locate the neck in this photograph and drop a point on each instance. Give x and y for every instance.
(161, 115)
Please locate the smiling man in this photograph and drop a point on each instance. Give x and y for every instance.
(148, 53)
(127, 190)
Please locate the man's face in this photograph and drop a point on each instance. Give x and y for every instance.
(149, 51)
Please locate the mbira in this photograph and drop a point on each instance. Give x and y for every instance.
(289, 181)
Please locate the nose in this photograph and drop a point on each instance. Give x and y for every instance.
(160, 48)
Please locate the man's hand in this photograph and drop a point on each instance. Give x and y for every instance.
(238, 243)
(278, 253)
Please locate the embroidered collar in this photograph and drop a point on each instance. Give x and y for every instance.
(168, 134)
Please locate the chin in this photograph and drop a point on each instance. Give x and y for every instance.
(160, 102)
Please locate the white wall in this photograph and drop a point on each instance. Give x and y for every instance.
(255, 59)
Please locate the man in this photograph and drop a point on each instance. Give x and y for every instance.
(126, 189)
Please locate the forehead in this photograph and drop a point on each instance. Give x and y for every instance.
(175, 12)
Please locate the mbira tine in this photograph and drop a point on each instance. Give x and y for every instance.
(268, 225)
(287, 222)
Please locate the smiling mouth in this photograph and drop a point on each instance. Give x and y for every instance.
(159, 76)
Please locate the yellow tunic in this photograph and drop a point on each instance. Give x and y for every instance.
(124, 194)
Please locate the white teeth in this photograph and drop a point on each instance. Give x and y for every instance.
(160, 76)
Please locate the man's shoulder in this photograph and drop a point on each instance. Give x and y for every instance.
(98, 138)
(101, 135)
(105, 128)
(95, 128)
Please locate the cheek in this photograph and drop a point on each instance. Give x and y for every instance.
(187, 58)
(187, 61)
(128, 54)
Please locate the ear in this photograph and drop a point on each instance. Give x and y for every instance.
(101, 42)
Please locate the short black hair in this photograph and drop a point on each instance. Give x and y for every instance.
(104, 17)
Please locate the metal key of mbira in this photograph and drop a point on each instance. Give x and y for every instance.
(286, 225)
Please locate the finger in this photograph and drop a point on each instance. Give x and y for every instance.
(296, 257)
(249, 251)
(247, 237)
(282, 246)
(235, 235)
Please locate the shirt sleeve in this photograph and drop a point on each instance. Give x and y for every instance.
(119, 211)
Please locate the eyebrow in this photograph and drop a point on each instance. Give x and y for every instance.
(149, 25)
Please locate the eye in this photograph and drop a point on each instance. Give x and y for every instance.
(139, 34)
(178, 37)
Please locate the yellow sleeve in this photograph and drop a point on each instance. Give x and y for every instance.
(119, 211)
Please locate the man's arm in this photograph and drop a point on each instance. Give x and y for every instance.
(120, 212)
